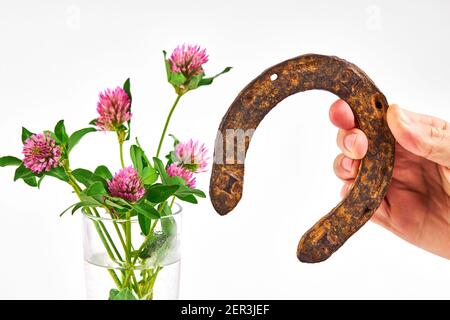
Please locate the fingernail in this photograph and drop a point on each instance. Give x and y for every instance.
(403, 116)
(347, 164)
(349, 141)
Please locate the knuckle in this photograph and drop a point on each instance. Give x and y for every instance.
(337, 164)
(439, 134)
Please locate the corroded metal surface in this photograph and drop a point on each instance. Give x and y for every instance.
(369, 106)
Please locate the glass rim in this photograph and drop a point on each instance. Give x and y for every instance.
(133, 219)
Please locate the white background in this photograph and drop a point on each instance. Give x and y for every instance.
(55, 56)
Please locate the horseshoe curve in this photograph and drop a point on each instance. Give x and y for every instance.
(307, 72)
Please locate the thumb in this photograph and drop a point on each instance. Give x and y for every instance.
(423, 135)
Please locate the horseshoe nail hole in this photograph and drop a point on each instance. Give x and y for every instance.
(378, 104)
(273, 77)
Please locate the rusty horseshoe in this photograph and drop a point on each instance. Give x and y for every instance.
(307, 72)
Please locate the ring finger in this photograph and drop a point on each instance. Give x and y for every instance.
(345, 168)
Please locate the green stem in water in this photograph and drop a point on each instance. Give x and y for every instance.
(111, 241)
(136, 284)
(77, 190)
(97, 224)
(128, 237)
(128, 249)
(167, 123)
(115, 278)
(151, 283)
(119, 233)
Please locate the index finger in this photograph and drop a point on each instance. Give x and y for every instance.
(341, 115)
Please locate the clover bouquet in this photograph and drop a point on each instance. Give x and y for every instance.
(139, 196)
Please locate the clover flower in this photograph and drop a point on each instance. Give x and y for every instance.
(175, 170)
(41, 153)
(188, 60)
(192, 156)
(113, 108)
(127, 184)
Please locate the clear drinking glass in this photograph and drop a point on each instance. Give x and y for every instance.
(123, 263)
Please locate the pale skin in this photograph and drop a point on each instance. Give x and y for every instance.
(417, 205)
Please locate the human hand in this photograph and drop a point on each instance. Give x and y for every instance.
(417, 204)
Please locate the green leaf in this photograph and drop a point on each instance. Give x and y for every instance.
(61, 133)
(199, 193)
(25, 134)
(86, 177)
(136, 157)
(10, 161)
(103, 171)
(177, 79)
(81, 205)
(124, 294)
(159, 193)
(113, 293)
(183, 190)
(147, 210)
(175, 140)
(179, 181)
(195, 81)
(144, 156)
(40, 181)
(171, 158)
(208, 81)
(31, 181)
(144, 223)
(22, 172)
(127, 89)
(187, 194)
(168, 223)
(140, 160)
(85, 204)
(96, 188)
(70, 207)
(88, 203)
(159, 166)
(149, 176)
(188, 198)
(155, 244)
(114, 205)
(77, 136)
(167, 65)
(119, 201)
(93, 122)
(58, 173)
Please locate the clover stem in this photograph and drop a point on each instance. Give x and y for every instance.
(167, 123)
(115, 278)
(172, 202)
(121, 138)
(97, 224)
